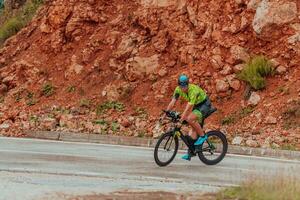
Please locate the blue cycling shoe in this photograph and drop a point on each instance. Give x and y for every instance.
(186, 157)
(201, 140)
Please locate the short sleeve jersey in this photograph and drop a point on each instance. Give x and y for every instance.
(194, 96)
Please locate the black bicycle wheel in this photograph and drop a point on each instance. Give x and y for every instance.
(214, 149)
(166, 149)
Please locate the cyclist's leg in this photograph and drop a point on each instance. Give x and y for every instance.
(193, 120)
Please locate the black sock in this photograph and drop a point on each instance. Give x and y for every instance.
(191, 141)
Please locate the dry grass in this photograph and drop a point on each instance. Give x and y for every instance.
(283, 188)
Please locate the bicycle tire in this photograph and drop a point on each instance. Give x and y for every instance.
(221, 136)
(156, 157)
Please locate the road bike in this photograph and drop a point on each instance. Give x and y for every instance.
(211, 152)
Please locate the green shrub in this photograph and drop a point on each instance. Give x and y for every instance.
(109, 105)
(115, 126)
(228, 120)
(13, 23)
(255, 70)
(71, 88)
(48, 89)
(11, 27)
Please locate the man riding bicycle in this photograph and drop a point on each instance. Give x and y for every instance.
(197, 107)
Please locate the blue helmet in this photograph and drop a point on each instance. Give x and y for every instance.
(183, 80)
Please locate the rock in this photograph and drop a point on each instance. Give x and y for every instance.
(239, 53)
(217, 62)
(270, 120)
(237, 140)
(140, 124)
(275, 62)
(4, 126)
(294, 39)
(281, 69)
(238, 68)
(138, 67)
(125, 122)
(222, 86)
(226, 70)
(48, 124)
(3, 89)
(235, 84)
(163, 3)
(117, 91)
(270, 13)
(252, 143)
(253, 4)
(266, 143)
(276, 146)
(254, 99)
(244, 23)
(162, 72)
(68, 121)
(240, 2)
(126, 46)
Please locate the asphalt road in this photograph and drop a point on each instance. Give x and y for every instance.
(37, 169)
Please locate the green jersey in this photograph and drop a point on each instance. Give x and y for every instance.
(194, 96)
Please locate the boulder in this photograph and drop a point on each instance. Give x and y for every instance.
(254, 99)
(270, 120)
(222, 86)
(252, 143)
(270, 13)
(48, 123)
(5, 126)
(163, 3)
(238, 68)
(126, 46)
(3, 89)
(217, 62)
(237, 140)
(226, 70)
(138, 67)
(239, 54)
(281, 69)
(253, 4)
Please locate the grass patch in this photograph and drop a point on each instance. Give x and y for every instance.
(71, 89)
(115, 126)
(48, 89)
(290, 147)
(246, 111)
(30, 100)
(237, 115)
(108, 105)
(11, 27)
(284, 90)
(141, 112)
(14, 23)
(85, 103)
(255, 71)
(100, 122)
(228, 120)
(267, 189)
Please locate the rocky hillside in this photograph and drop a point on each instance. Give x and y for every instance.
(110, 67)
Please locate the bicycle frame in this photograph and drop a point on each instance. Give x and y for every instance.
(178, 133)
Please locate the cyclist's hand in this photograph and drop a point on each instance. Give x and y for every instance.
(183, 121)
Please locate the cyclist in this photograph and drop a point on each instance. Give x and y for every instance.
(198, 105)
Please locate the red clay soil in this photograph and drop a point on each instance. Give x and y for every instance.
(98, 51)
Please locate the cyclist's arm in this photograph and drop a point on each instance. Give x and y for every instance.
(171, 104)
(187, 111)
